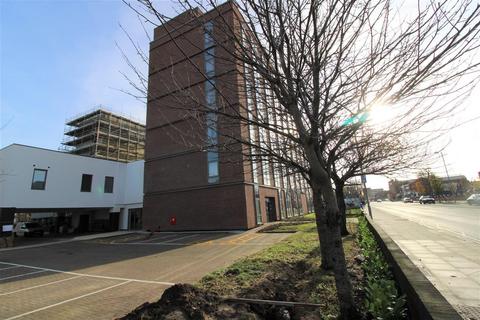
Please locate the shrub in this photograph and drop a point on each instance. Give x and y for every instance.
(382, 300)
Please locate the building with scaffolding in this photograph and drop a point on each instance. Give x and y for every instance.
(103, 134)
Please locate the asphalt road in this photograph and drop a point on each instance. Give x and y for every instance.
(107, 278)
(443, 241)
(460, 219)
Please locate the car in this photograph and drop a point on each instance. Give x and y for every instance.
(474, 199)
(379, 200)
(27, 229)
(426, 199)
(407, 200)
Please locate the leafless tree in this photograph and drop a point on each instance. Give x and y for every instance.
(317, 70)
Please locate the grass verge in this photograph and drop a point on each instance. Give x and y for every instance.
(287, 271)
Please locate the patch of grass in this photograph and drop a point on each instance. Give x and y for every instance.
(354, 213)
(305, 217)
(241, 274)
(288, 271)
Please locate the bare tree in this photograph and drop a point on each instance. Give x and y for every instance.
(316, 70)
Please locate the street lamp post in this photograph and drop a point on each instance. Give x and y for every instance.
(446, 170)
(365, 191)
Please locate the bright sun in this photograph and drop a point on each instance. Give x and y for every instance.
(380, 114)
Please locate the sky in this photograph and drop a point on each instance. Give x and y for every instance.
(59, 59)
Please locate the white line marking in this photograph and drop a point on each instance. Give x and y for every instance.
(90, 275)
(9, 268)
(40, 285)
(66, 301)
(194, 244)
(158, 238)
(184, 237)
(200, 232)
(21, 275)
(37, 245)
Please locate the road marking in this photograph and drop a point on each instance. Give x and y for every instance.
(210, 243)
(200, 232)
(37, 245)
(184, 237)
(185, 266)
(157, 238)
(91, 275)
(22, 275)
(68, 300)
(38, 286)
(235, 240)
(9, 268)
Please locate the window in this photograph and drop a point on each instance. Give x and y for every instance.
(39, 179)
(210, 97)
(212, 158)
(108, 187)
(86, 183)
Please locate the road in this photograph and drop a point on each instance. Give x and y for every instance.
(105, 279)
(443, 241)
(461, 219)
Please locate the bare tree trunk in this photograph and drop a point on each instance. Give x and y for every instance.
(339, 194)
(323, 232)
(333, 255)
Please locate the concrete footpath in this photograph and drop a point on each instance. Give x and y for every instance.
(449, 261)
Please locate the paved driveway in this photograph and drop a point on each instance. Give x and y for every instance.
(103, 279)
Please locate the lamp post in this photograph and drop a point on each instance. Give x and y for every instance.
(446, 170)
(365, 191)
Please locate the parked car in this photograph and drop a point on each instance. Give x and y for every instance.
(474, 199)
(379, 200)
(27, 229)
(426, 199)
(407, 200)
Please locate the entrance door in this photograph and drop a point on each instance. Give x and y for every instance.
(270, 207)
(135, 219)
(114, 219)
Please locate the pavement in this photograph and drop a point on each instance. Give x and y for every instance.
(106, 278)
(443, 241)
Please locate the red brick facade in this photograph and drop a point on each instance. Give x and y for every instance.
(178, 194)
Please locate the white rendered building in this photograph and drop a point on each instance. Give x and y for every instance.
(82, 193)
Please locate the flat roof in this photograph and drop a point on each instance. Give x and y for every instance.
(65, 153)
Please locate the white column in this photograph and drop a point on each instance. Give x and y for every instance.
(123, 221)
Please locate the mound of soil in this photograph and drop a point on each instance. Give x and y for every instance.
(186, 302)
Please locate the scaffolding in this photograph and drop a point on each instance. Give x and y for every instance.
(103, 134)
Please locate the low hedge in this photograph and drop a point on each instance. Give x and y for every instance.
(382, 300)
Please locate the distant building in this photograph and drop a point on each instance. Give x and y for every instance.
(454, 185)
(374, 194)
(103, 134)
(69, 193)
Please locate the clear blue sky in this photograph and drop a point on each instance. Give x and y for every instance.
(59, 59)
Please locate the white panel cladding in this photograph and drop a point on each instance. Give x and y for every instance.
(64, 176)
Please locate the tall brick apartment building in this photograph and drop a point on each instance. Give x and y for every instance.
(190, 183)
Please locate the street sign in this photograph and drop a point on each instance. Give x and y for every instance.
(7, 228)
(364, 179)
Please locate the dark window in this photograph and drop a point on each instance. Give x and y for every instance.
(108, 188)
(86, 183)
(39, 179)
